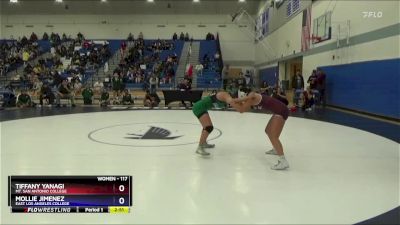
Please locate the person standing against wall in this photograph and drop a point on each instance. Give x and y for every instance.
(321, 84)
(298, 86)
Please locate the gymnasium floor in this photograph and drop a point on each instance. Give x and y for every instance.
(344, 168)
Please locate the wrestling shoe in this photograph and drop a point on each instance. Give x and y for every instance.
(200, 150)
(206, 145)
(271, 152)
(281, 165)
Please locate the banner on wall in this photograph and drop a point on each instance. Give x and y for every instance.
(306, 30)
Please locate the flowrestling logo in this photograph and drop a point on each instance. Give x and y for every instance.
(150, 134)
(372, 14)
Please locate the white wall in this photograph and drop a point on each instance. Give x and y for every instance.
(353, 11)
(283, 41)
(386, 48)
(1, 25)
(236, 45)
(343, 10)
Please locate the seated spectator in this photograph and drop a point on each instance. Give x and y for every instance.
(232, 90)
(98, 86)
(312, 80)
(64, 91)
(87, 95)
(117, 84)
(117, 98)
(151, 99)
(175, 36)
(279, 94)
(24, 100)
(37, 85)
(127, 98)
(104, 98)
(241, 81)
(307, 99)
(46, 94)
(140, 37)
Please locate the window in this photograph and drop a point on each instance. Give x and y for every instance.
(292, 7)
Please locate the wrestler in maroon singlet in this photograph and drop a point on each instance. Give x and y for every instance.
(275, 106)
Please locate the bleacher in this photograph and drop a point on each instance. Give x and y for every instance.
(211, 77)
(178, 46)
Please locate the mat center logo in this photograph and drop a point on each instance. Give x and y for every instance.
(154, 133)
(150, 134)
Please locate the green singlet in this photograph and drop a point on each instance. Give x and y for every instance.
(201, 107)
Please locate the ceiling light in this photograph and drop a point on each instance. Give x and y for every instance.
(242, 0)
(13, 1)
(150, 0)
(196, 0)
(59, 1)
(103, 0)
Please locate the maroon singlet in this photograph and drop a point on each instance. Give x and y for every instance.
(275, 106)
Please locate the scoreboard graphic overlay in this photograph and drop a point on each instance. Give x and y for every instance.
(70, 194)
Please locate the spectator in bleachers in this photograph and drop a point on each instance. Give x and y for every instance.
(65, 92)
(117, 98)
(104, 98)
(140, 37)
(248, 78)
(210, 37)
(151, 99)
(187, 38)
(37, 85)
(45, 37)
(130, 37)
(182, 36)
(25, 56)
(117, 84)
(98, 86)
(46, 94)
(80, 37)
(24, 100)
(127, 98)
(123, 48)
(34, 37)
(175, 36)
(199, 69)
(241, 81)
(87, 95)
(189, 70)
(153, 83)
(232, 90)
